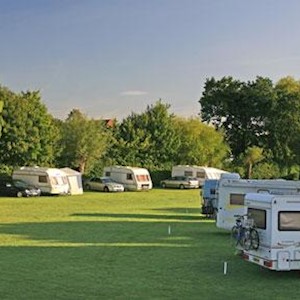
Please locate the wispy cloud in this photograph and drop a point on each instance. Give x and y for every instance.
(133, 93)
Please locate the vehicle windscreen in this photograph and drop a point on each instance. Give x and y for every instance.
(106, 180)
(20, 183)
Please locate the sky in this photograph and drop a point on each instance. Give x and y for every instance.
(110, 58)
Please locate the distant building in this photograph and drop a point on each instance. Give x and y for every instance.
(110, 123)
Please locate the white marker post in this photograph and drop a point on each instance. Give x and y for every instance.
(169, 229)
(225, 268)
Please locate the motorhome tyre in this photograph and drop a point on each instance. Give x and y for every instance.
(106, 189)
(181, 186)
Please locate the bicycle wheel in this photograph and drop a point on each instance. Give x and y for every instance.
(247, 242)
(235, 233)
(254, 239)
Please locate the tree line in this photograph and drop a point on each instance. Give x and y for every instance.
(261, 123)
(248, 127)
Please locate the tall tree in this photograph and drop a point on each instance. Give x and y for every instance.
(200, 144)
(252, 156)
(83, 142)
(285, 123)
(5, 95)
(147, 139)
(29, 133)
(240, 109)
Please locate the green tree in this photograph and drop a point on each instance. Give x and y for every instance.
(28, 134)
(252, 156)
(284, 125)
(200, 144)
(84, 141)
(5, 95)
(148, 139)
(241, 109)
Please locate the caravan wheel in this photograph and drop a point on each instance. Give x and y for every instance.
(106, 189)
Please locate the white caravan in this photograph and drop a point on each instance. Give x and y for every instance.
(277, 220)
(133, 178)
(201, 173)
(74, 181)
(49, 180)
(231, 191)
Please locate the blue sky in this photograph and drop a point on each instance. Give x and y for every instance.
(109, 58)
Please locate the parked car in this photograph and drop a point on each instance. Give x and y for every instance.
(180, 182)
(104, 184)
(18, 188)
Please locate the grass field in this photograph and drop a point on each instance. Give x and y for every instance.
(133, 245)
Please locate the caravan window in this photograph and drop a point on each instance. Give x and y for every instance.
(259, 216)
(107, 174)
(289, 221)
(143, 177)
(54, 180)
(237, 199)
(43, 179)
(200, 174)
(129, 176)
(188, 173)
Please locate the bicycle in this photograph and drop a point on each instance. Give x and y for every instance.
(244, 234)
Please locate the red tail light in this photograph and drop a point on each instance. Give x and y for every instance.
(268, 263)
(245, 256)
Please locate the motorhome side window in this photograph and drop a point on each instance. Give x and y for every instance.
(129, 176)
(259, 217)
(201, 174)
(236, 199)
(289, 221)
(188, 173)
(43, 179)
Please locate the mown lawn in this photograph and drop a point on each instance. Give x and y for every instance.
(133, 245)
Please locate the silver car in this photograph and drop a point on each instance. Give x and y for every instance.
(104, 184)
(180, 182)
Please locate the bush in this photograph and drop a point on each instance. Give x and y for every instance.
(266, 170)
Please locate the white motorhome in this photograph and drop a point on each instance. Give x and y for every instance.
(231, 191)
(133, 178)
(49, 180)
(201, 173)
(277, 220)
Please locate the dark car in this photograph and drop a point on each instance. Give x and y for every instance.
(18, 188)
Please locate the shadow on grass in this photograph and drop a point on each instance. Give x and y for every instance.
(97, 233)
(179, 210)
(183, 217)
